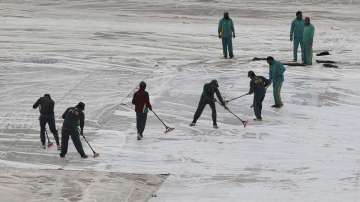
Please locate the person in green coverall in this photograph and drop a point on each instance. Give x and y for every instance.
(226, 32)
(308, 38)
(296, 35)
(276, 76)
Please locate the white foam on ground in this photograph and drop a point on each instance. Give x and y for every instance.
(98, 51)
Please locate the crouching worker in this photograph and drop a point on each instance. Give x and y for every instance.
(142, 104)
(73, 126)
(207, 98)
(258, 85)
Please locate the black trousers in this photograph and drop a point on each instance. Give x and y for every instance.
(258, 99)
(50, 120)
(200, 109)
(75, 136)
(140, 122)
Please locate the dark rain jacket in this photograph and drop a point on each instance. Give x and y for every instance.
(73, 119)
(46, 105)
(141, 101)
(258, 85)
(208, 94)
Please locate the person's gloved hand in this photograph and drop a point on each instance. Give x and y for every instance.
(219, 36)
(291, 39)
(82, 132)
(233, 35)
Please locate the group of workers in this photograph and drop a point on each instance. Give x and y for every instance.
(301, 33)
(258, 86)
(73, 125)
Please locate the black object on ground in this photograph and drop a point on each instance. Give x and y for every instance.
(326, 61)
(296, 64)
(330, 65)
(257, 59)
(323, 53)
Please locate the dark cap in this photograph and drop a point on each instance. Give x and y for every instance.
(214, 83)
(142, 85)
(270, 58)
(226, 15)
(251, 74)
(80, 106)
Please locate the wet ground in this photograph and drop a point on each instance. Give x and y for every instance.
(98, 51)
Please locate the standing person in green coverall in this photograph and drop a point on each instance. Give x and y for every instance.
(276, 76)
(308, 39)
(226, 31)
(296, 35)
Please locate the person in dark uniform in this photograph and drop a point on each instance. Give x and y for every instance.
(142, 104)
(46, 107)
(73, 126)
(258, 85)
(207, 98)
